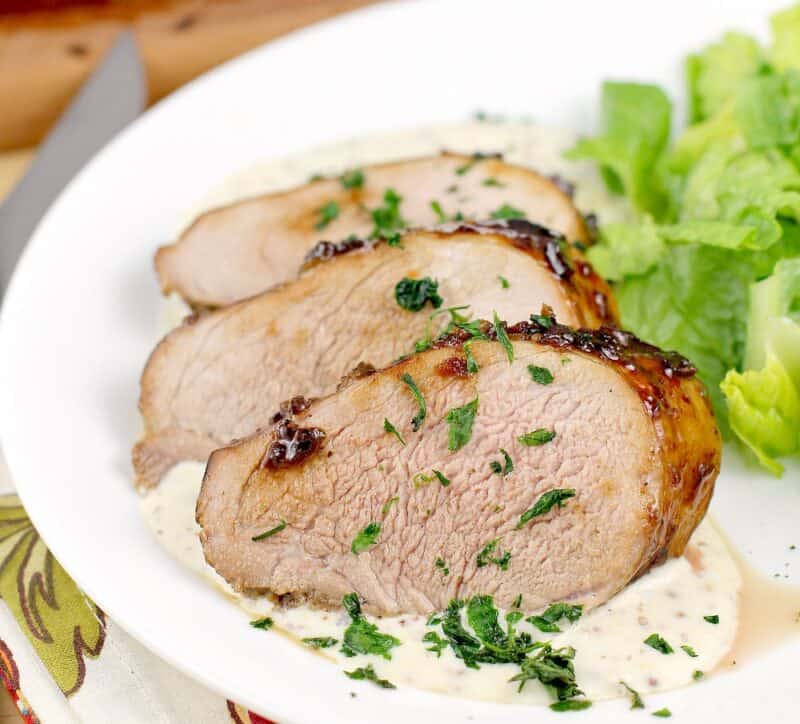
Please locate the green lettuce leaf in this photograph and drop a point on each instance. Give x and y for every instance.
(627, 249)
(768, 109)
(714, 75)
(785, 51)
(636, 124)
(764, 401)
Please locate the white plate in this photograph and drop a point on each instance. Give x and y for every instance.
(78, 320)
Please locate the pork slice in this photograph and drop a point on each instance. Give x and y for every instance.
(635, 439)
(215, 378)
(239, 250)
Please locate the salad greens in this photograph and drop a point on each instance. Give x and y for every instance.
(710, 262)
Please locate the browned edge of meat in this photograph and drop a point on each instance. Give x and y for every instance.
(592, 300)
(234, 251)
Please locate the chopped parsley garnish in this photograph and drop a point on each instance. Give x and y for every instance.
(712, 619)
(636, 698)
(417, 420)
(388, 504)
(571, 705)
(486, 641)
(320, 642)
(506, 211)
(659, 644)
(327, 213)
(269, 533)
(367, 673)
(537, 437)
(460, 420)
(542, 320)
(366, 538)
(517, 602)
(437, 209)
(502, 337)
(387, 218)
(545, 504)
(485, 557)
(265, 624)
(413, 294)
(492, 181)
(388, 427)
(663, 713)
(455, 318)
(394, 239)
(697, 675)
(363, 637)
(542, 375)
(472, 365)
(548, 621)
(503, 281)
(438, 644)
(689, 650)
(353, 179)
(506, 467)
(442, 566)
(441, 478)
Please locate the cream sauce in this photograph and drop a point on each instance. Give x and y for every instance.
(670, 600)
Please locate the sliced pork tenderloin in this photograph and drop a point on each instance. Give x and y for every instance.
(214, 378)
(614, 452)
(239, 250)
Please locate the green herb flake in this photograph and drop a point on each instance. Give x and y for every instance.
(265, 624)
(517, 602)
(492, 181)
(442, 566)
(636, 698)
(472, 365)
(441, 217)
(506, 211)
(367, 673)
(504, 468)
(416, 421)
(441, 478)
(320, 642)
(502, 337)
(712, 619)
(353, 179)
(571, 705)
(460, 421)
(689, 651)
(387, 219)
(503, 281)
(659, 644)
(697, 675)
(545, 504)
(438, 644)
(548, 621)
(414, 294)
(388, 427)
(326, 213)
(542, 375)
(537, 437)
(394, 240)
(485, 557)
(271, 532)
(363, 637)
(388, 504)
(543, 321)
(663, 713)
(366, 538)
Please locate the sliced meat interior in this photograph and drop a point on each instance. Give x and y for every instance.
(614, 452)
(242, 249)
(217, 376)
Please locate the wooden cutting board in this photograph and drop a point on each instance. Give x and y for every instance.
(49, 47)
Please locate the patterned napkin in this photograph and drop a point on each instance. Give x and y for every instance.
(63, 660)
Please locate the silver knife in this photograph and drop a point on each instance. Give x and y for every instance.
(114, 95)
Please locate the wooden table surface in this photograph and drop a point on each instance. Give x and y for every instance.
(13, 165)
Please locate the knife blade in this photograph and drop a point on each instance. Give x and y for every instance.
(114, 95)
